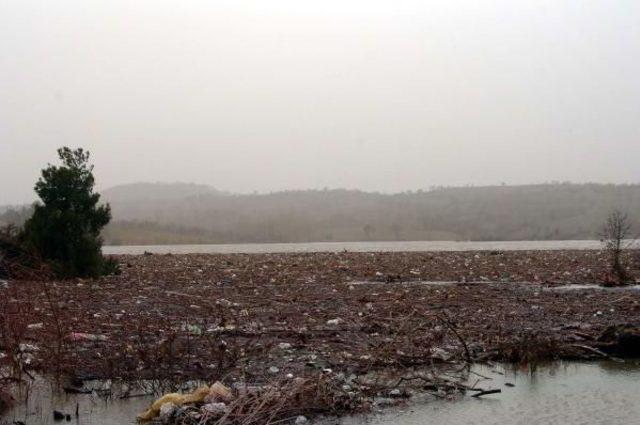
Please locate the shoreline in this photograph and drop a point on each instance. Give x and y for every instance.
(359, 246)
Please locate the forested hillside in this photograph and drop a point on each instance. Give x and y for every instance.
(183, 213)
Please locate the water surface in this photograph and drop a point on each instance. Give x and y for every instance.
(565, 393)
(570, 393)
(45, 396)
(398, 246)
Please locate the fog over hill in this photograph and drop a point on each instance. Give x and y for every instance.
(155, 192)
(185, 213)
(159, 213)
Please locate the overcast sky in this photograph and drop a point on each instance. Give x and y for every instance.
(288, 94)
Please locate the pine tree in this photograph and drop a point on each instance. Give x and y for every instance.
(65, 226)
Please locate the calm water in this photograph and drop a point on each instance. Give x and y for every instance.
(565, 393)
(45, 396)
(354, 247)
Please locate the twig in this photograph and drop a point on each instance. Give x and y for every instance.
(455, 332)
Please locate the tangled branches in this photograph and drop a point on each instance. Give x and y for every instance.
(280, 402)
(16, 262)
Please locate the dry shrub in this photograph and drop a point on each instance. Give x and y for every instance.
(15, 354)
(15, 310)
(18, 263)
(529, 348)
(283, 401)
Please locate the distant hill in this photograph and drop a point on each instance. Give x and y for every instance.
(550, 211)
(145, 192)
(159, 213)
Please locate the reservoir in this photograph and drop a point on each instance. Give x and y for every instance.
(389, 246)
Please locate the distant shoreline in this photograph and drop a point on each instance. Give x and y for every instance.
(379, 246)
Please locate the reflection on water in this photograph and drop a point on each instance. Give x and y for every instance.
(566, 393)
(93, 409)
(398, 246)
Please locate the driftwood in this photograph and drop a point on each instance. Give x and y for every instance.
(598, 352)
(487, 392)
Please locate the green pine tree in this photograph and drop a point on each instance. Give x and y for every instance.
(65, 227)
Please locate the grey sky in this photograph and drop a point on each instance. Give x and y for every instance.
(273, 94)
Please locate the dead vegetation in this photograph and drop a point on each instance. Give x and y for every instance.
(615, 235)
(18, 263)
(281, 401)
(315, 333)
(15, 351)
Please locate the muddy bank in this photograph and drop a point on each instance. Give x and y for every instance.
(361, 321)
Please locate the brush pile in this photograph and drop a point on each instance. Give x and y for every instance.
(279, 402)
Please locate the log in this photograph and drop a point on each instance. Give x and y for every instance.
(598, 352)
(487, 392)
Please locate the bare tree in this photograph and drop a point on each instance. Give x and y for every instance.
(615, 233)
